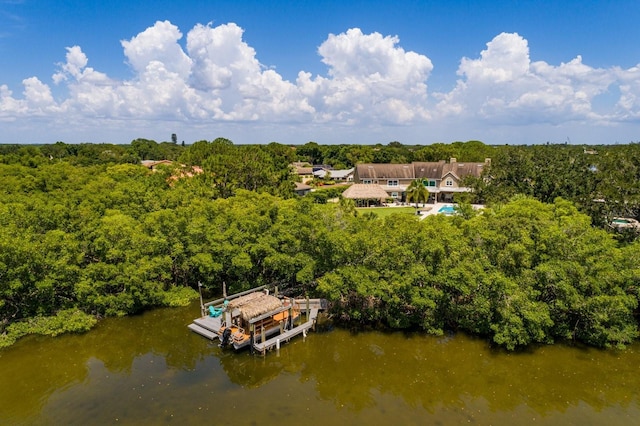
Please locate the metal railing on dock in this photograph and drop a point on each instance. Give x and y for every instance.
(289, 334)
(233, 296)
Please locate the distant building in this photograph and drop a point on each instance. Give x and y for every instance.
(153, 164)
(303, 170)
(302, 189)
(182, 171)
(335, 175)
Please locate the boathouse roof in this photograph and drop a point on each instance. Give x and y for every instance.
(243, 300)
(254, 304)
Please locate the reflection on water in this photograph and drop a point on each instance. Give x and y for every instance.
(152, 369)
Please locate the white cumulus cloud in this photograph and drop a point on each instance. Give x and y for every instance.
(212, 76)
(370, 79)
(157, 45)
(225, 69)
(628, 106)
(503, 85)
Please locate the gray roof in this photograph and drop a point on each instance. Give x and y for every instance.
(420, 170)
(461, 170)
(431, 170)
(385, 171)
(336, 174)
(302, 186)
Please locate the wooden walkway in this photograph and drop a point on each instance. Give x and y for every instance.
(287, 335)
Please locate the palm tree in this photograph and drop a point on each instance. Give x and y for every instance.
(416, 191)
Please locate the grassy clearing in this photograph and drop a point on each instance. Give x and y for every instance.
(386, 211)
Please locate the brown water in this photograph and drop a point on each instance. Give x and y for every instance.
(150, 369)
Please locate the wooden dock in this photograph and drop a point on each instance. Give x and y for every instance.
(206, 326)
(259, 331)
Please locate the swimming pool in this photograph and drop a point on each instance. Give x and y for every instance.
(447, 210)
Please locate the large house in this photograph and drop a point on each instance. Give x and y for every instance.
(442, 179)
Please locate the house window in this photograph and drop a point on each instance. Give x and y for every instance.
(392, 182)
(394, 195)
(429, 182)
(449, 182)
(367, 181)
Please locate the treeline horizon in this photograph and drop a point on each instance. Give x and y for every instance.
(88, 232)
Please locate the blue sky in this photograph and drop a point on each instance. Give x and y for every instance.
(327, 71)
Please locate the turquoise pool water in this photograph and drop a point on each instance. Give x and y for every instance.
(446, 210)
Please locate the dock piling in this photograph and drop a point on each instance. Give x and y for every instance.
(252, 338)
(202, 308)
(290, 313)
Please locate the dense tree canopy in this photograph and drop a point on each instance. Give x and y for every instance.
(86, 232)
(345, 156)
(602, 181)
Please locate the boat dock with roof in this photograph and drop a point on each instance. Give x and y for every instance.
(257, 319)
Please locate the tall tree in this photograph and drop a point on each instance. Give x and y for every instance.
(417, 192)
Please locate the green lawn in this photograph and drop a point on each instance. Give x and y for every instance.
(386, 211)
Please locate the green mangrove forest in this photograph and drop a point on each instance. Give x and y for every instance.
(87, 231)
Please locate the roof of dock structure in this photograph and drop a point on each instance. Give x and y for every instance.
(243, 300)
(256, 305)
